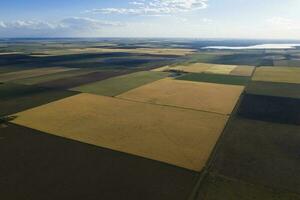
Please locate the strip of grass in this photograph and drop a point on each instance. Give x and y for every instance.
(117, 85)
(216, 187)
(215, 78)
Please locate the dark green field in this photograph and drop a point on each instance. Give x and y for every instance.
(36, 165)
(274, 89)
(215, 78)
(260, 153)
(217, 187)
(120, 84)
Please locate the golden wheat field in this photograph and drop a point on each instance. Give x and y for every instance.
(187, 94)
(31, 73)
(180, 137)
(220, 69)
(277, 74)
(243, 71)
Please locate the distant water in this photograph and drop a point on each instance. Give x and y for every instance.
(261, 46)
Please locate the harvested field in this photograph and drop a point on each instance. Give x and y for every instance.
(56, 76)
(243, 71)
(42, 166)
(215, 78)
(260, 153)
(31, 73)
(221, 69)
(66, 83)
(217, 187)
(270, 108)
(179, 137)
(117, 85)
(274, 89)
(193, 95)
(277, 74)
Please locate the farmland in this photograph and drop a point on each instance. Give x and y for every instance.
(193, 95)
(134, 132)
(148, 119)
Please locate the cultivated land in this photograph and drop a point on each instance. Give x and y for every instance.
(55, 76)
(31, 73)
(274, 89)
(159, 137)
(121, 84)
(192, 95)
(278, 74)
(180, 137)
(81, 171)
(243, 71)
(215, 78)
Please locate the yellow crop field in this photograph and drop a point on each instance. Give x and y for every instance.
(187, 94)
(176, 136)
(243, 71)
(31, 73)
(221, 69)
(277, 74)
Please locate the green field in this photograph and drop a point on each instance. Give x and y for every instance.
(15, 98)
(56, 76)
(274, 89)
(260, 153)
(117, 85)
(216, 187)
(215, 78)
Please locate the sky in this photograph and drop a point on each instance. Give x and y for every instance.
(247, 19)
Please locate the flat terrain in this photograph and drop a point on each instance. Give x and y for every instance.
(278, 74)
(243, 71)
(120, 84)
(270, 108)
(42, 166)
(274, 89)
(220, 69)
(215, 78)
(222, 188)
(261, 153)
(55, 76)
(180, 137)
(31, 73)
(186, 94)
(70, 82)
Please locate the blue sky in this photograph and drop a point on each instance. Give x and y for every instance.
(151, 18)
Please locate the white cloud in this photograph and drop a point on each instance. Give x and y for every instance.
(283, 23)
(73, 26)
(156, 7)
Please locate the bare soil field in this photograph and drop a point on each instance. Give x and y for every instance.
(180, 137)
(209, 97)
